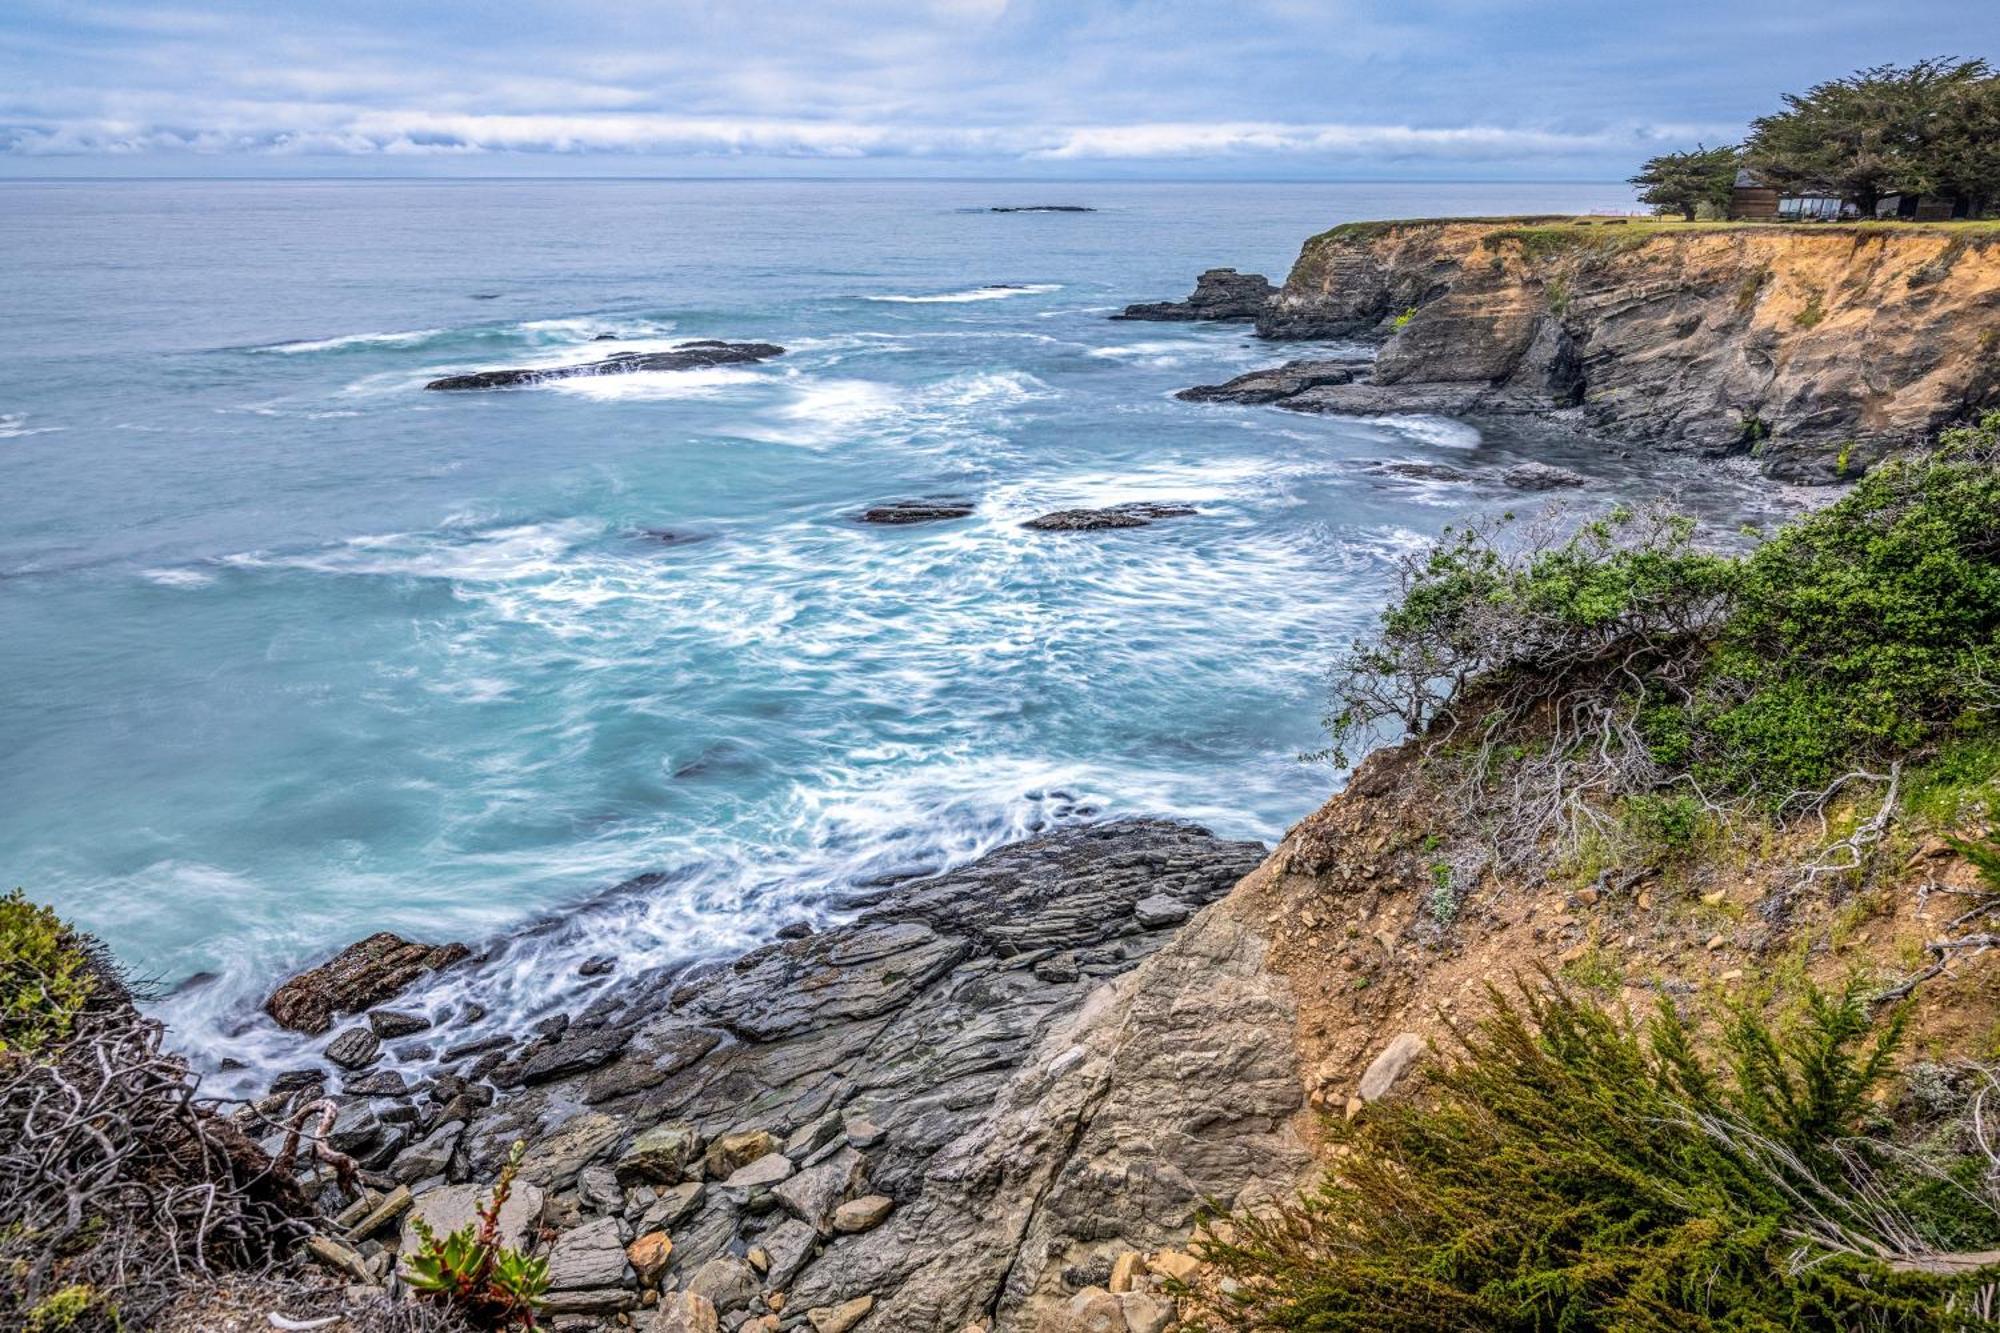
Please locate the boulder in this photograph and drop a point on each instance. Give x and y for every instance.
(1541, 477)
(359, 977)
(391, 1023)
(688, 356)
(814, 1193)
(660, 1155)
(592, 1256)
(728, 1282)
(1220, 293)
(766, 1170)
(863, 1214)
(1274, 383)
(1158, 911)
(683, 1312)
(840, 1318)
(553, 1162)
(429, 1156)
(1389, 1066)
(356, 1048)
(648, 1256)
(672, 1206)
(449, 1208)
(788, 1248)
(381, 1083)
(1136, 514)
(738, 1149)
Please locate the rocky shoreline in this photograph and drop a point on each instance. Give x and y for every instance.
(963, 1109)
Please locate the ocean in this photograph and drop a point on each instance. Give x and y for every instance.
(292, 650)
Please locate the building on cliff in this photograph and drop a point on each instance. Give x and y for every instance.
(1753, 200)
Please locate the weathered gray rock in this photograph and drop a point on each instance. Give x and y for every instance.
(1389, 1066)
(1220, 293)
(590, 1256)
(813, 1194)
(450, 1207)
(429, 1156)
(732, 1151)
(1541, 477)
(683, 1312)
(728, 1282)
(936, 510)
(687, 356)
(392, 1023)
(790, 1246)
(1157, 910)
(660, 1155)
(840, 1318)
(359, 977)
(667, 1211)
(862, 1214)
(553, 1161)
(766, 1170)
(597, 1189)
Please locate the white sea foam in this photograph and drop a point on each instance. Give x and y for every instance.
(504, 554)
(405, 338)
(14, 426)
(995, 293)
(1441, 431)
(655, 385)
(177, 578)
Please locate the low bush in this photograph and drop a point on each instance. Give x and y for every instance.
(46, 976)
(471, 1273)
(1569, 1169)
(1570, 673)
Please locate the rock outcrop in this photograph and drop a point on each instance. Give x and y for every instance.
(1220, 293)
(965, 1105)
(362, 975)
(1819, 348)
(1136, 514)
(688, 356)
(936, 509)
(1276, 383)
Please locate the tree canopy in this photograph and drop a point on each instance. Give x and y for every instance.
(1683, 182)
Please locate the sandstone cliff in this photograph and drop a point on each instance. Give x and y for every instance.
(1819, 348)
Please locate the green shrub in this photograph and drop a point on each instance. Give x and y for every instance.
(46, 976)
(1572, 1170)
(1626, 657)
(490, 1285)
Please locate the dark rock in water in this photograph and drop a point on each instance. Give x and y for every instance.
(359, 977)
(605, 338)
(596, 966)
(396, 1022)
(1422, 471)
(687, 356)
(1220, 293)
(354, 1048)
(1541, 477)
(292, 1080)
(1134, 515)
(1041, 208)
(478, 1046)
(797, 930)
(673, 537)
(1269, 385)
(574, 1053)
(917, 511)
(381, 1083)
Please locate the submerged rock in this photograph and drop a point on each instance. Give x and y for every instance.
(1137, 514)
(359, 977)
(1541, 477)
(932, 510)
(1273, 383)
(1040, 208)
(688, 356)
(1220, 293)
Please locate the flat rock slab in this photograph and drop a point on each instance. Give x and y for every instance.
(359, 977)
(1274, 383)
(1136, 514)
(688, 356)
(916, 511)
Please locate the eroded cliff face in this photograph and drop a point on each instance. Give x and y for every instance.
(1819, 348)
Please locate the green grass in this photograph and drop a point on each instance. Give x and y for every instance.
(1556, 231)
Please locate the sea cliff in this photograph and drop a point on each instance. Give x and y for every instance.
(1818, 348)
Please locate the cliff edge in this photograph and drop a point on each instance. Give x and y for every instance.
(1819, 348)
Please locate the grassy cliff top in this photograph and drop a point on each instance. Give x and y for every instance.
(1567, 225)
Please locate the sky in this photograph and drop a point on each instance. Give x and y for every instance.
(1061, 89)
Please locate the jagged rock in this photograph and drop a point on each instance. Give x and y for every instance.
(1146, 1313)
(1176, 1264)
(684, 1312)
(1158, 911)
(1541, 477)
(840, 1318)
(815, 1134)
(359, 977)
(554, 1161)
(1273, 383)
(591, 1256)
(429, 1156)
(648, 1256)
(688, 356)
(788, 1247)
(660, 1154)
(1388, 1067)
(766, 1170)
(391, 1023)
(356, 1129)
(813, 1194)
(908, 511)
(1220, 293)
(1422, 471)
(355, 1048)
(597, 965)
(1126, 1270)
(477, 1046)
(381, 1083)
(672, 1207)
(597, 1189)
(1136, 514)
(573, 1053)
(450, 1207)
(731, 1151)
(297, 1080)
(862, 1214)
(729, 1282)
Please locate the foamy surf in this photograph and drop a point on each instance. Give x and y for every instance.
(997, 292)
